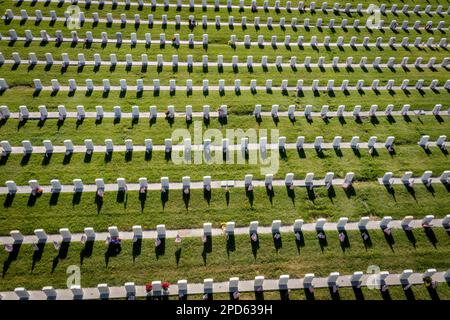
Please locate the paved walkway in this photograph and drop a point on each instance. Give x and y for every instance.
(233, 88)
(244, 286)
(237, 43)
(199, 232)
(175, 185)
(194, 185)
(214, 114)
(214, 64)
(180, 147)
(294, 7)
(144, 21)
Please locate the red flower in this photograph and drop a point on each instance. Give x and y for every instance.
(148, 287)
(165, 285)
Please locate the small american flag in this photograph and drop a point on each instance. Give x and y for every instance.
(204, 239)
(83, 239)
(35, 246)
(157, 242)
(56, 244)
(178, 239)
(298, 236)
(8, 247)
(254, 237)
(277, 236)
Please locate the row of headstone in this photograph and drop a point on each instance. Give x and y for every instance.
(55, 85)
(233, 40)
(320, 23)
(229, 228)
(289, 6)
(325, 112)
(321, 62)
(407, 178)
(56, 185)
(109, 147)
(440, 142)
(340, 42)
(129, 289)
(44, 37)
(135, 113)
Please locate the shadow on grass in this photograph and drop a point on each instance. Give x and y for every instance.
(62, 254)
(113, 250)
(9, 199)
(160, 250)
(137, 248)
(231, 244)
(37, 254)
(86, 252)
(12, 256)
(207, 248)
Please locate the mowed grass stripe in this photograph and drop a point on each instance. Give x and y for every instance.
(425, 100)
(118, 165)
(225, 261)
(406, 130)
(77, 212)
(22, 75)
(222, 33)
(223, 49)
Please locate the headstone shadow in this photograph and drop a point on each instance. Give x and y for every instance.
(12, 256)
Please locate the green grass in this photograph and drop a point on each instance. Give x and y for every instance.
(221, 48)
(24, 95)
(222, 263)
(383, 75)
(406, 131)
(365, 168)
(198, 12)
(222, 34)
(369, 199)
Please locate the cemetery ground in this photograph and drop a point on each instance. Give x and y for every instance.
(76, 213)
(225, 259)
(140, 261)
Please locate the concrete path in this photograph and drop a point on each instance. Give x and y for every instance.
(175, 185)
(343, 281)
(237, 43)
(214, 114)
(76, 63)
(199, 232)
(233, 88)
(194, 148)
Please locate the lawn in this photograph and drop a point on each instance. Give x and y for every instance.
(367, 199)
(224, 259)
(140, 262)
